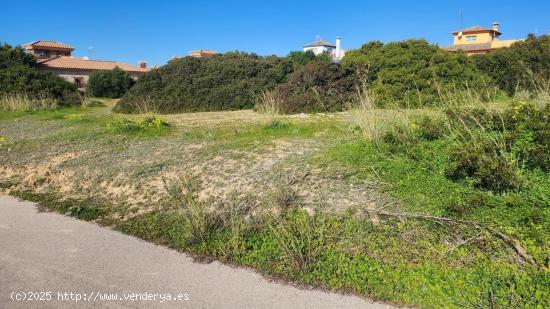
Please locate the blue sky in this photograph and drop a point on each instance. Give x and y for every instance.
(154, 31)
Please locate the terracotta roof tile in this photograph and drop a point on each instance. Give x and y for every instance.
(64, 62)
(51, 44)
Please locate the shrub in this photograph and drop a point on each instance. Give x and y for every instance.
(222, 82)
(520, 67)
(528, 133)
(19, 76)
(109, 83)
(414, 73)
(318, 87)
(299, 58)
(431, 128)
(484, 165)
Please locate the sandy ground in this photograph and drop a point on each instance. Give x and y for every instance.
(47, 252)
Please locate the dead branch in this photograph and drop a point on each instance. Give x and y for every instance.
(514, 243)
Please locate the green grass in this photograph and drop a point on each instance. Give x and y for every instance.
(251, 136)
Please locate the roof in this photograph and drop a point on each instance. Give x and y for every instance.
(49, 44)
(476, 29)
(320, 43)
(470, 47)
(202, 52)
(64, 62)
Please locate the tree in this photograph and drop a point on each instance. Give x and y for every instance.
(524, 65)
(19, 74)
(109, 83)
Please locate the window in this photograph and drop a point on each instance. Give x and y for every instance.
(471, 38)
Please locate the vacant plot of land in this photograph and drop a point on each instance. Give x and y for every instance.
(303, 197)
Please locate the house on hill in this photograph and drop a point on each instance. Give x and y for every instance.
(202, 53)
(479, 40)
(334, 50)
(57, 58)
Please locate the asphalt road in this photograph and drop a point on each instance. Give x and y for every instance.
(51, 261)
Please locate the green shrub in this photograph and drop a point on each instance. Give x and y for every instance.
(222, 82)
(528, 133)
(109, 83)
(19, 76)
(318, 87)
(483, 164)
(400, 135)
(431, 128)
(523, 66)
(415, 73)
(299, 58)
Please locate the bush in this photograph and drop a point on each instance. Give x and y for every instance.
(222, 82)
(414, 73)
(318, 87)
(299, 58)
(520, 67)
(109, 83)
(485, 166)
(19, 76)
(431, 128)
(528, 133)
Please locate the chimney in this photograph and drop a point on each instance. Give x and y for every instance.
(338, 47)
(142, 65)
(496, 26)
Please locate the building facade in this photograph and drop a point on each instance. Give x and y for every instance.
(479, 40)
(57, 58)
(334, 50)
(202, 53)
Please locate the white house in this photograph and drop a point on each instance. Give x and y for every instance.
(320, 46)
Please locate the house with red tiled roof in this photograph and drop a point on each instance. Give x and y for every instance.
(57, 58)
(479, 40)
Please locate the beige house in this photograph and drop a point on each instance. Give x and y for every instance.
(479, 40)
(202, 53)
(57, 58)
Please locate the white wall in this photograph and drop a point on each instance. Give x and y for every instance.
(319, 49)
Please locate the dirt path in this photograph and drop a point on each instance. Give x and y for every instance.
(47, 252)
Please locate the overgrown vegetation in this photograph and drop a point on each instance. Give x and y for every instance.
(414, 73)
(318, 87)
(21, 83)
(109, 83)
(153, 125)
(299, 58)
(222, 82)
(523, 66)
(462, 215)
